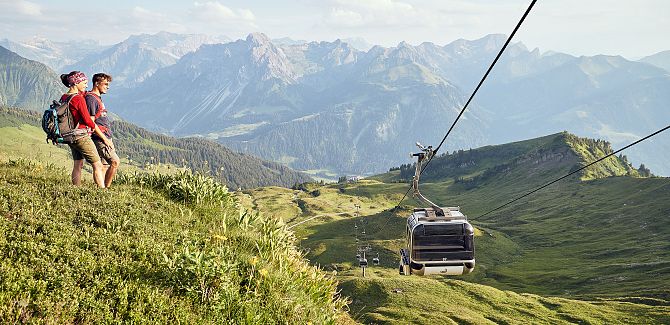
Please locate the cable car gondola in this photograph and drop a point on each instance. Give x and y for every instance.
(439, 240)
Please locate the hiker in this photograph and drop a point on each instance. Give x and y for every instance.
(96, 109)
(82, 148)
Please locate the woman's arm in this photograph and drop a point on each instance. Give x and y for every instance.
(80, 104)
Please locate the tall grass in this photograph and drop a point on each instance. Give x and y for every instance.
(154, 249)
(184, 186)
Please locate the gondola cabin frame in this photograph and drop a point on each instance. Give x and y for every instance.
(438, 244)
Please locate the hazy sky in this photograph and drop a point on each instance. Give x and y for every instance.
(580, 27)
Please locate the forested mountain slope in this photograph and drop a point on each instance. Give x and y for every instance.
(25, 83)
(142, 147)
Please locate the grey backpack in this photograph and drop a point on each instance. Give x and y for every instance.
(59, 125)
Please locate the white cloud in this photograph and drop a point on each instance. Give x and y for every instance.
(147, 16)
(615, 136)
(246, 14)
(377, 5)
(20, 7)
(214, 11)
(343, 17)
(374, 13)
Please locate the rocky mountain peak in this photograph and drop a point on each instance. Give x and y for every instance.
(493, 41)
(269, 58)
(258, 39)
(405, 51)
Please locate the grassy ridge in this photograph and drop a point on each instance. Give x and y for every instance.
(144, 252)
(561, 150)
(603, 240)
(386, 297)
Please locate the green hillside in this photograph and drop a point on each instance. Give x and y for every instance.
(160, 249)
(26, 83)
(388, 299)
(565, 150)
(604, 240)
(21, 130)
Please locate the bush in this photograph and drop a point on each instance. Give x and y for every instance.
(184, 186)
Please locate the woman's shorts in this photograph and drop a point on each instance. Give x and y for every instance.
(84, 148)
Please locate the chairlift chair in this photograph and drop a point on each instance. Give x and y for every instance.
(375, 261)
(439, 240)
(363, 262)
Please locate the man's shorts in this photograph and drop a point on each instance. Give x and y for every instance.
(105, 152)
(84, 149)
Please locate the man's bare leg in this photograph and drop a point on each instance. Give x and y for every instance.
(98, 176)
(110, 171)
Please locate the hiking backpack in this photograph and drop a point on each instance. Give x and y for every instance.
(58, 123)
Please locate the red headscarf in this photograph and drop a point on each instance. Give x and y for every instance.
(76, 78)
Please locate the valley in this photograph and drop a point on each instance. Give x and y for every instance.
(602, 241)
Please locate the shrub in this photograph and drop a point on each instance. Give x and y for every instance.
(184, 186)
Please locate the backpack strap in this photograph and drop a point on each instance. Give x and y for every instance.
(69, 116)
(101, 110)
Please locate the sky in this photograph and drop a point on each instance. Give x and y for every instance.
(632, 29)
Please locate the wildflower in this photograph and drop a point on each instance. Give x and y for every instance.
(253, 261)
(263, 272)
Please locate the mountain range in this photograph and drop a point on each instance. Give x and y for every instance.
(330, 106)
(54, 54)
(327, 105)
(138, 57)
(660, 59)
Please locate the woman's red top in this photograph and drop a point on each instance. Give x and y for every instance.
(79, 111)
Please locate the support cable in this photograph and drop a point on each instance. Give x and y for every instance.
(509, 39)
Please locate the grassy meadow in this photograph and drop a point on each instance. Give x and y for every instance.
(153, 249)
(169, 246)
(521, 277)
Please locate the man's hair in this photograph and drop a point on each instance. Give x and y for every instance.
(100, 77)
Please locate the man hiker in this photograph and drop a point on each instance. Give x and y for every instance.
(98, 114)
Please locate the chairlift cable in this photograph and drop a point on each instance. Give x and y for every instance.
(509, 39)
(573, 172)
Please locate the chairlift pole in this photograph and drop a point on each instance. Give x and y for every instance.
(427, 153)
(363, 266)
